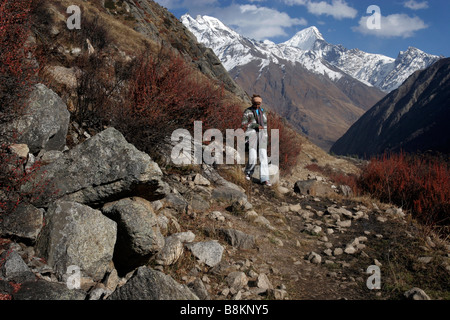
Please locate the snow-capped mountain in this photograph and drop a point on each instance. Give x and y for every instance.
(308, 48)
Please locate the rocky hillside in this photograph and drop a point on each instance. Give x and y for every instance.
(118, 226)
(412, 118)
(106, 221)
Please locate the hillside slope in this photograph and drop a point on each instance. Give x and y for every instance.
(412, 118)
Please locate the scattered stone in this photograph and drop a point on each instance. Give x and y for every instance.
(209, 252)
(199, 289)
(237, 280)
(416, 294)
(184, 237)
(238, 238)
(312, 188)
(425, 260)
(338, 251)
(350, 250)
(216, 215)
(171, 252)
(149, 284)
(295, 207)
(315, 258)
(200, 180)
(344, 224)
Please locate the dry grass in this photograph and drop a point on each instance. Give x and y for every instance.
(125, 38)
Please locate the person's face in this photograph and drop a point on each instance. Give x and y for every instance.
(257, 102)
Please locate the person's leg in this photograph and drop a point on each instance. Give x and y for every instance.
(252, 154)
(264, 165)
(263, 159)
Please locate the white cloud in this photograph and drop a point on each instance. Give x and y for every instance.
(251, 20)
(257, 22)
(392, 26)
(338, 9)
(415, 5)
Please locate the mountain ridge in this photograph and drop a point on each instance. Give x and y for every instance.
(413, 118)
(309, 48)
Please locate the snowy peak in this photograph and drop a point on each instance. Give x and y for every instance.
(209, 30)
(305, 39)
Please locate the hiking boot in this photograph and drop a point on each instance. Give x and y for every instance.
(247, 177)
(267, 183)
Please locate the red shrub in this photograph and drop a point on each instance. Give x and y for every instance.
(289, 143)
(17, 74)
(166, 94)
(417, 183)
(16, 67)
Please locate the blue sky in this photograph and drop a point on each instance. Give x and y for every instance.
(424, 24)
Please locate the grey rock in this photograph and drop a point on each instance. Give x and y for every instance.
(263, 282)
(315, 258)
(45, 123)
(76, 234)
(43, 290)
(138, 233)
(105, 168)
(200, 180)
(199, 289)
(209, 252)
(149, 284)
(416, 294)
(13, 268)
(227, 194)
(25, 223)
(99, 294)
(184, 237)
(312, 188)
(238, 238)
(176, 202)
(171, 252)
(237, 280)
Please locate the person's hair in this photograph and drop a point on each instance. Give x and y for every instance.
(255, 96)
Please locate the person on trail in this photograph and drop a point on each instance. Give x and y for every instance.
(254, 123)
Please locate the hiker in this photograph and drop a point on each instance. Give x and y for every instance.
(254, 123)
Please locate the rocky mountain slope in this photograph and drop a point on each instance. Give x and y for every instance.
(413, 118)
(120, 227)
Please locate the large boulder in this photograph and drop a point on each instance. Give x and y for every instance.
(45, 123)
(78, 235)
(43, 290)
(24, 223)
(105, 168)
(149, 284)
(138, 233)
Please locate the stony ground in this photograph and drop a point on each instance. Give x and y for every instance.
(315, 248)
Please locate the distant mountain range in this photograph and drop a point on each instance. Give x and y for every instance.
(413, 118)
(321, 88)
